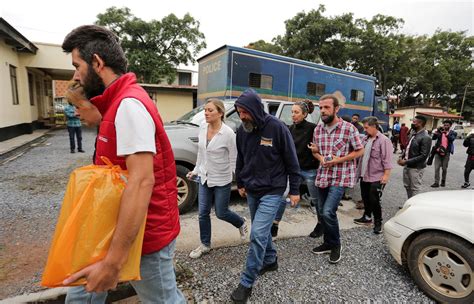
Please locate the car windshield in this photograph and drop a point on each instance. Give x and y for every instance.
(196, 116)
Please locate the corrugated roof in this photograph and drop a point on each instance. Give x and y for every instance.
(440, 115)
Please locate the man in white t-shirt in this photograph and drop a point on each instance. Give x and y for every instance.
(131, 135)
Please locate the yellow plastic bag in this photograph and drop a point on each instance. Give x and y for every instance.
(86, 225)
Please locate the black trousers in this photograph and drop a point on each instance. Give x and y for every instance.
(468, 168)
(75, 132)
(371, 195)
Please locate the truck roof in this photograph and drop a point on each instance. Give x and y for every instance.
(287, 59)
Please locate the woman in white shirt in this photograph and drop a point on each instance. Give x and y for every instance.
(215, 164)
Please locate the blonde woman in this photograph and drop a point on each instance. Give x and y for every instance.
(215, 164)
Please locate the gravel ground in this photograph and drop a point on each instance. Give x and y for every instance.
(366, 273)
(31, 191)
(32, 187)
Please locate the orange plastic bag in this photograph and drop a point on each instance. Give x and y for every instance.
(86, 225)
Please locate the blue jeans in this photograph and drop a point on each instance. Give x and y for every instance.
(158, 283)
(328, 202)
(261, 251)
(220, 195)
(308, 177)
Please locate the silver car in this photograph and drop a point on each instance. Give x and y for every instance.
(183, 135)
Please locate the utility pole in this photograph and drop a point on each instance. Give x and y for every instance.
(464, 98)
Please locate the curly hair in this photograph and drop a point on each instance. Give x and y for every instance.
(306, 106)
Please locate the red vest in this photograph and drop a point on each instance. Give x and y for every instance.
(162, 223)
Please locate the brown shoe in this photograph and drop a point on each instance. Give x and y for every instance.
(360, 205)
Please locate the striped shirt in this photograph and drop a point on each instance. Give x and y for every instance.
(338, 141)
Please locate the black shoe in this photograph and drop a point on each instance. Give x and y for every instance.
(324, 248)
(363, 221)
(435, 185)
(72, 151)
(317, 232)
(241, 294)
(81, 151)
(335, 255)
(378, 228)
(443, 184)
(270, 267)
(466, 185)
(274, 230)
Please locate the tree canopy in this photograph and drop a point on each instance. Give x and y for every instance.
(155, 48)
(433, 70)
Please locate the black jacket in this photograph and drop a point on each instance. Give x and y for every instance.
(303, 135)
(469, 144)
(266, 157)
(419, 150)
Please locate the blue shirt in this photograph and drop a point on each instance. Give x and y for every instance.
(72, 119)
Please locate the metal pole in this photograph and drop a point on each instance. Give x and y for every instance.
(464, 98)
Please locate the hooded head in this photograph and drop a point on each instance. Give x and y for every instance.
(250, 109)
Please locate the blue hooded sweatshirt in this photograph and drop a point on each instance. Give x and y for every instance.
(266, 157)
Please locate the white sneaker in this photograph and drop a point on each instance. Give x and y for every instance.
(198, 252)
(244, 230)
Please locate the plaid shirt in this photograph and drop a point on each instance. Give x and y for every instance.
(340, 142)
(72, 119)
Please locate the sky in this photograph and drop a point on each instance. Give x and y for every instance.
(234, 23)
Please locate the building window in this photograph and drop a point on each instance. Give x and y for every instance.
(184, 79)
(260, 81)
(315, 89)
(39, 92)
(14, 84)
(31, 88)
(357, 95)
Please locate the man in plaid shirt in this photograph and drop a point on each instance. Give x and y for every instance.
(336, 144)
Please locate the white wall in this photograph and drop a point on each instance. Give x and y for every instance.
(13, 114)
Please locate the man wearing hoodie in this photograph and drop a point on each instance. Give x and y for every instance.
(266, 161)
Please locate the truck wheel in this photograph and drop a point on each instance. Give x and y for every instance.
(187, 190)
(441, 265)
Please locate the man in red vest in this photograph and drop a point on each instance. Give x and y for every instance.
(131, 135)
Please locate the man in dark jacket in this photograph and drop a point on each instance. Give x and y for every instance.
(266, 161)
(469, 143)
(444, 147)
(414, 159)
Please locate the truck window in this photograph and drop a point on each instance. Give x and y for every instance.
(273, 108)
(285, 115)
(315, 89)
(357, 95)
(382, 105)
(260, 81)
(233, 120)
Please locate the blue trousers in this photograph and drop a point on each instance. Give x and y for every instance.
(261, 251)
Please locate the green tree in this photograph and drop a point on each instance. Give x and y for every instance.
(269, 47)
(154, 49)
(313, 37)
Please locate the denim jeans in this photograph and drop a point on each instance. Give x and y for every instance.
(261, 251)
(75, 132)
(328, 202)
(158, 283)
(308, 177)
(220, 195)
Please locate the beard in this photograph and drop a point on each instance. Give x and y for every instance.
(328, 119)
(93, 84)
(248, 126)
